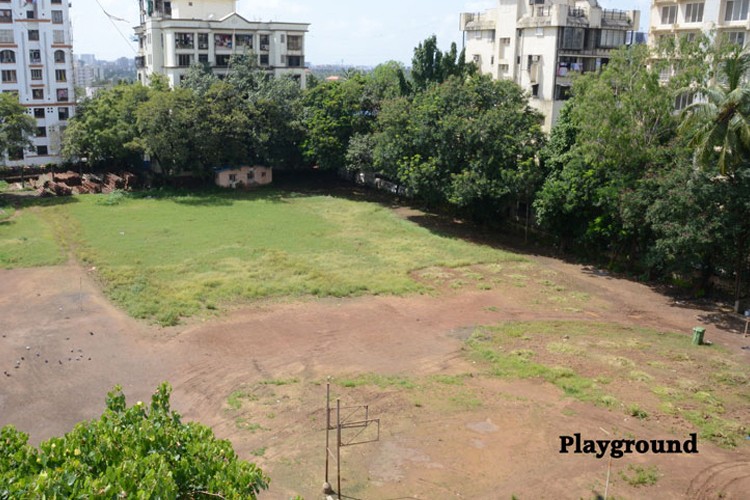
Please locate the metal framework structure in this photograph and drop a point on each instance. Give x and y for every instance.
(348, 420)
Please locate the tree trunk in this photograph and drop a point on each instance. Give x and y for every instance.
(739, 268)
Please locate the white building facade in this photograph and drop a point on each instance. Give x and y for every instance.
(539, 44)
(36, 64)
(675, 18)
(174, 35)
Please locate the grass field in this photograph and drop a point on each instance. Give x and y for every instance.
(642, 372)
(168, 257)
(26, 240)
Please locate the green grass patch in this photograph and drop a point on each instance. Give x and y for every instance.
(237, 398)
(595, 356)
(381, 381)
(637, 475)
(280, 381)
(169, 257)
(27, 240)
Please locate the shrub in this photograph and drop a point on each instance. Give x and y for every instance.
(137, 452)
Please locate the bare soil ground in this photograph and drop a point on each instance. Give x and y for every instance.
(258, 377)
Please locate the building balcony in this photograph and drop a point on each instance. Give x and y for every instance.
(476, 22)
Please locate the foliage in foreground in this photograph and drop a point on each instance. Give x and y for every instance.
(136, 452)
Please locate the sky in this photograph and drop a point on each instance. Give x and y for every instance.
(350, 32)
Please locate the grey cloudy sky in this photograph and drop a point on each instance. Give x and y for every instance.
(354, 32)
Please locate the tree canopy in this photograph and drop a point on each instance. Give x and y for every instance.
(135, 452)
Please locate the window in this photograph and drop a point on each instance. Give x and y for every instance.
(9, 76)
(36, 74)
(611, 38)
(282, 38)
(294, 42)
(41, 131)
(35, 56)
(37, 93)
(203, 58)
(39, 113)
(57, 16)
(33, 35)
(6, 16)
(244, 41)
(15, 154)
(61, 75)
(202, 41)
(7, 56)
(58, 36)
(505, 41)
(736, 10)
(736, 37)
(6, 36)
(222, 61)
(223, 41)
(41, 151)
(683, 100)
(294, 61)
(503, 67)
(264, 42)
(232, 177)
(56, 2)
(63, 113)
(694, 13)
(183, 41)
(251, 176)
(669, 14)
(62, 95)
(572, 38)
(59, 56)
(184, 60)
(30, 14)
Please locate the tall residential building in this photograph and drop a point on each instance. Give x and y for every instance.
(174, 35)
(539, 43)
(670, 18)
(36, 64)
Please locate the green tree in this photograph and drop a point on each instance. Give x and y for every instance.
(167, 123)
(199, 79)
(333, 113)
(622, 121)
(430, 65)
(469, 144)
(104, 128)
(136, 452)
(718, 128)
(16, 127)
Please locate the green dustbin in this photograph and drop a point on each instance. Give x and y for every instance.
(698, 334)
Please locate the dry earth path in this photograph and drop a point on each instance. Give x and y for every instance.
(63, 346)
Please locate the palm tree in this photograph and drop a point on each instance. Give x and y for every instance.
(717, 126)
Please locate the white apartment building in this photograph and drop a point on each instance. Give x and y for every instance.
(36, 64)
(540, 43)
(174, 35)
(674, 18)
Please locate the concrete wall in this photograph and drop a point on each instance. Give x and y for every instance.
(244, 177)
(202, 9)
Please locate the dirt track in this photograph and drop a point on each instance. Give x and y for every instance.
(76, 346)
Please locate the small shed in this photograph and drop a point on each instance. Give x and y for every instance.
(243, 177)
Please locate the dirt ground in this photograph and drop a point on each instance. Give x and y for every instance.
(63, 346)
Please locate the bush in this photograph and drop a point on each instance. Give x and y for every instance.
(137, 452)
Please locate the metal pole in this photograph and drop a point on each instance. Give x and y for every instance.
(338, 447)
(328, 425)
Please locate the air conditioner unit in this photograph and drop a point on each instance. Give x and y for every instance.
(535, 58)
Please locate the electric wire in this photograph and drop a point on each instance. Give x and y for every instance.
(112, 19)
